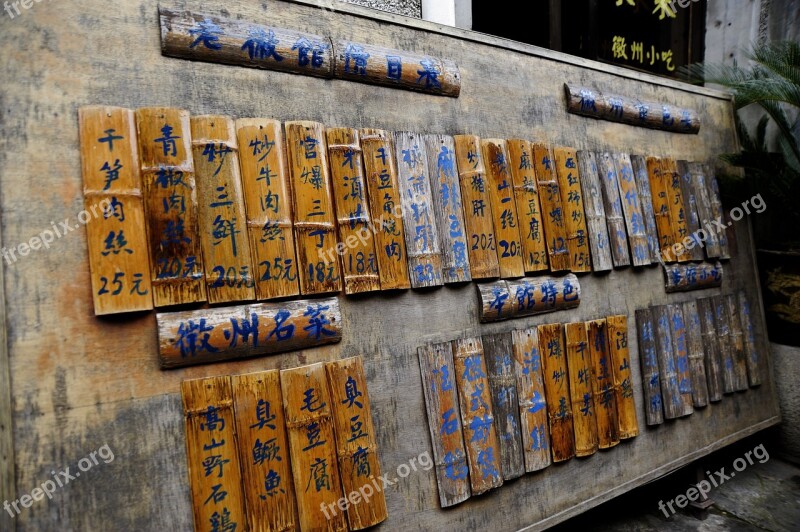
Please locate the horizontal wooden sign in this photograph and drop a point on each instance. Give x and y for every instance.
(686, 277)
(193, 337)
(502, 300)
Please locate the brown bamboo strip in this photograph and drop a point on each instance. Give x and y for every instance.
(667, 366)
(117, 242)
(646, 199)
(686, 277)
(722, 328)
(651, 377)
(555, 232)
(579, 365)
(693, 245)
(532, 404)
(717, 211)
(623, 382)
(569, 183)
(264, 451)
(694, 344)
(356, 238)
(556, 387)
(356, 442)
(422, 234)
(617, 234)
(751, 346)
(176, 260)
(477, 415)
(444, 421)
(678, 217)
(603, 384)
(700, 190)
(215, 477)
(268, 203)
(737, 344)
(193, 337)
(383, 190)
(312, 447)
(681, 353)
(595, 212)
(448, 208)
(478, 221)
(632, 209)
(711, 352)
(314, 216)
(661, 210)
(504, 210)
(526, 196)
(528, 296)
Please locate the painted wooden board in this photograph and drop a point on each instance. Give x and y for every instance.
(711, 352)
(753, 357)
(557, 393)
(680, 351)
(604, 385)
(619, 354)
(648, 361)
(694, 346)
(712, 185)
(584, 409)
(687, 277)
(693, 221)
(631, 208)
(646, 199)
(615, 219)
(529, 210)
(661, 210)
(528, 296)
(555, 232)
(677, 209)
(722, 326)
(667, 365)
(569, 183)
(737, 343)
(595, 212)
(704, 210)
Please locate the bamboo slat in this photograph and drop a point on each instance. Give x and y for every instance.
(717, 211)
(737, 343)
(555, 232)
(672, 180)
(595, 212)
(723, 333)
(648, 360)
(603, 384)
(632, 209)
(711, 352)
(579, 363)
(526, 196)
(617, 234)
(557, 394)
(686, 277)
(667, 366)
(694, 245)
(754, 361)
(569, 184)
(532, 404)
(623, 382)
(646, 199)
(705, 212)
(528, 296)
(680, 350)
(661, 211)
(694, 345)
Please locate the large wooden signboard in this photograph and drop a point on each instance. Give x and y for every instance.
(79, 382)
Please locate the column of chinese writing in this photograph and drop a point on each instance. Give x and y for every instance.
(526, 194)
(603, 384)
(579, 366)
(569, 184)
(557, 395)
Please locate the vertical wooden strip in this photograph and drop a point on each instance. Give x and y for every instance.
(495, 299)
(751, 346)
(737, 343)
(569, 183)
(661, 209)
(356, 238)
(723, 333)
(211, 451)
(170, 200)
(667, 367)
(579, 362)
(422, 235)
(704, 211)
(680, 350)
(314, 216)
(526, 196)
(595, 212)
(694, 245)
(268, 203)
(478, 221)
(615, 220)
(648, 360)
(504, 210)
(264, 451)
(639, 167)
(357, 446)
(312, 447)
(716, 211)
(680, 228)
(499, 356)
(477, 415)
(221, 215)
(555, 232)
(603, 384)
(380, 165)
(711, 352)
(694, 345)
(623, 382)
(556, 387)
(632, 209)
(532, 404)
(444, 422)
(448, 207)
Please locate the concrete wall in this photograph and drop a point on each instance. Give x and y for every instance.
(786, 366)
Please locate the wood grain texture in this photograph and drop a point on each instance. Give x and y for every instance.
(447, 206)
(268, 203)
(680, 350)
(700, 190)
(7, 456)
(191, 337)
(612, 203)
(687, 277)
(631, 208)
(529, 210)
(619, 355)
(752, 355)
(661, 209)
(356, 441)
(667, 365)
(603, 383)
(639, 166)
(356, 237)
(557, 394)
(648, 362)
(694, 246)
(264, 452)
(529, 296)
(504, 210)
(569, 183)
(584, 409)
(712, 185)
(678, 212)
(112, 190)
(711, 349)
(531, 395)
(312, 447)
(694, 346)
(477, 415)
(380, 166)
(722, 326)
(222, 221)
(478, 218)
(737, 343)
(555, 231)
(170, 204)
(595, 212)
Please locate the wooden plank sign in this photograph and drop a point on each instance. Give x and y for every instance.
(595, 212)
(612, 202)
(118, 256)
(478, 220)
(268, 203)
(193, 337)
(444, 421)
(422, 234)
(176, 261)
(680, 350)
(356, 238)
(579, 363)
(526, 195)
(569, 183)
(603, 384)
(661, 210)
(531, 395)
(751, 346)
(504, 211)
(667, 367)
(680, 228)
(686, 277)
(694, 344)
(222, 219)
(357, 446)
(632, 209)
(648, 360)
(529, 296)
(214, 474)
(557, 394)
(722, 328)
(715, 199)
(380, 166)
(711, 353)
(704, 211)
(555, 231)
(477, 415)
(448, 208)
(264, 451)
(737, 343)
(312, 447)
(646, 199)
(314, 216)
(623, 383)
(691, 242)
(498, 353)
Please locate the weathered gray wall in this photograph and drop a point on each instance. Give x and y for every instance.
(409, 8)
(786, 361)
